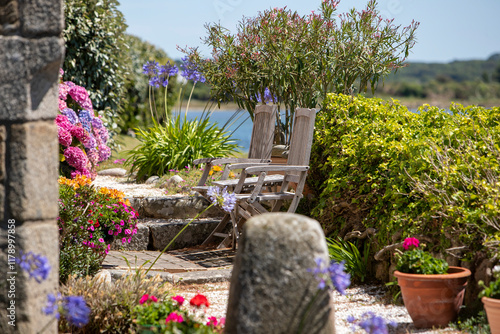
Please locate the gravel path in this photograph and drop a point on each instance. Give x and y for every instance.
(357, 301)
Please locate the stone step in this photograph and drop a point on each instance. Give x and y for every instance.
(173, 207)
(155, 234)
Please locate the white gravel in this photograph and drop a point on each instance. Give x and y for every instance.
(129, 188)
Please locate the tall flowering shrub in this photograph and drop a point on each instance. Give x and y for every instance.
(90, 219)
(299, 59)
(82, 135)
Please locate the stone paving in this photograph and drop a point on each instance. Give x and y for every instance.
(188, 266)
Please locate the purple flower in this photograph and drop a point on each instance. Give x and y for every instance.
(150, 68)
(190, 70)
(104, 152)
(81, 96)
(268, 97)
(332, 276)
(97, 123)
(85, 118)
(63, 122)
(37, 266)
(70, 113)
(154, 82)
(76, 310)
(225, 200)
(371, 323)
(168, 70)
(52, 306)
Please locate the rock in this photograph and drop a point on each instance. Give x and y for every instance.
(175, 179)
(279, 150)
(104, 276)
(272, 289)
(119, 172)
(175, 207)
(152, 179)
(139, 241)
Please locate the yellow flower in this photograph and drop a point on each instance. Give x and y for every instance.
(113, 193)
(77, 182)
(231, 175)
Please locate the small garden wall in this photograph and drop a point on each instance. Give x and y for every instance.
(432, 174)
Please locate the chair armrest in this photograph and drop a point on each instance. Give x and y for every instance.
(275, 168)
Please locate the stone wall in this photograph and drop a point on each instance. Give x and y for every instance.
(31, 53)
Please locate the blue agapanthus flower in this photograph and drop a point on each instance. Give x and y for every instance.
(190, 70)
(36, 265)
(225, 200)
(150, 68)
(76, 310)
(332, 276)
(52, 307)
(371, 323)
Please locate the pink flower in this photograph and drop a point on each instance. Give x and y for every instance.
(179, 299)
(101, 240)
(174, 317)
(212, 321)
(80, 95)
(153, 298)
(409, 242)
(144, 298)
(64, 136)
(62, 121)
(76, 158)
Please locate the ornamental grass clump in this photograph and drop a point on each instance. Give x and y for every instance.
(90, 219)
(416, 261)
(82, 135)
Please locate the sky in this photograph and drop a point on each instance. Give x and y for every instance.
(449, 29)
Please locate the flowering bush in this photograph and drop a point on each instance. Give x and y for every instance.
(82, 135)
(178, 141)
(169, 315)
(89, 220)
(415, 261)
(295, 60)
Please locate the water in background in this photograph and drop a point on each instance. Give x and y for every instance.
(241, 127)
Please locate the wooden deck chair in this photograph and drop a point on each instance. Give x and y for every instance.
(295, 171)
(261, 144)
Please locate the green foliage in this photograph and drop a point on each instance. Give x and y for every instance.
(112, 304)
(376, 164)
(477, 324)
(96, 53)
(177, 144)
(301, 58)
(355, 263)
(136, 112)
(493, 289)
(89, 220)
(417, 261)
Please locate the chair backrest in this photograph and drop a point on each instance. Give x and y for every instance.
(264, 122)
(302, 137)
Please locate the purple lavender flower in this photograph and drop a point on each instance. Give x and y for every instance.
(371, 323)
(332, 276)
(190, 70)
(150, 68)
(52, 306)
(70, 113)
(268, 97)
(76, 310)
(36, 265)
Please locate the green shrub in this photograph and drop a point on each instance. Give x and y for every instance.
(89, 220)
(96, 56)
(417, 261)
(376, 164)
(177, 144)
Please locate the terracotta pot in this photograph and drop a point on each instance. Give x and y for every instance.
(433, 300)
(492, 307)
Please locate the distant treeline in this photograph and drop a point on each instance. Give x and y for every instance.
(457, 80)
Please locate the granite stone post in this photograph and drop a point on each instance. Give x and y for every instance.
(31, 53)
(272, 289)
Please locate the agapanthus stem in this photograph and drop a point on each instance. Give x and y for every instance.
(172, 241)
(191, 94)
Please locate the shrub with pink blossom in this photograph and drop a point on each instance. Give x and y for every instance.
(82, 135)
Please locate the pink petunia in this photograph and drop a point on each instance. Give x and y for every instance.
(144, 298)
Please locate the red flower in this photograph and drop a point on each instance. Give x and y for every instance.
(199, 300)
(144, 298)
